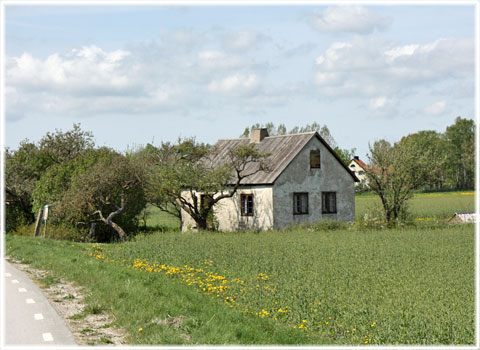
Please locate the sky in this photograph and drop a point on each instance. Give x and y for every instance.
(134, 75)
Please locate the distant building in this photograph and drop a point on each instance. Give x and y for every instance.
(462, 218)
(358, 167)
(307, 182)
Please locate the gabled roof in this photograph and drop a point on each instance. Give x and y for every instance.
(282, 149)
(360, 162)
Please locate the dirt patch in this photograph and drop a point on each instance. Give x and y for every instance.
(67, 298)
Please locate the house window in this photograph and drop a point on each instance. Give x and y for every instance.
(300, 203)
(360, 172)
(315, 159)
(329, 202)
(246, 204)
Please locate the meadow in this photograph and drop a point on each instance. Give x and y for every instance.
(414, 285)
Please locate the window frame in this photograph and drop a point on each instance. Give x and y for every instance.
(299, 195)
(314, 153)
(326, 200)
(245, 197)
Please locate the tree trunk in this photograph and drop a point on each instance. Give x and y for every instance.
(119, 230)
(201, 223)
(91, 233)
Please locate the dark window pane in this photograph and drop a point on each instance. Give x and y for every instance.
(315, 159)
(300, 203)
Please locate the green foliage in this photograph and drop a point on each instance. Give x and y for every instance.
(25, 166)
(461, 150)
(52, 186)
(395, 172)
(62, 146)
(110, 192)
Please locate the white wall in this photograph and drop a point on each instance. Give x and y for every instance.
(227, 212)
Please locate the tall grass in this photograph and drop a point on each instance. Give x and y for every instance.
(383, 287)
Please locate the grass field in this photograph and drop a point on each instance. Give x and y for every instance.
(392, 286)
(436, 205)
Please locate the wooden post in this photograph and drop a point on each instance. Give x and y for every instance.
(39, 221)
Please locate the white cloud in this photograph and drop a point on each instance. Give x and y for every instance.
(436, 108)
(370, 66)
(142, 79)
(382, 106)
(243, 40)
(237, 84)
(87, 70)
(351, 19)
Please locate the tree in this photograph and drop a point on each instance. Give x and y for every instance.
(51, 187)
(109, 192)
(345, 155)
(395, 171)
(62, 146)
(188, 176)
(152, 159)
(25, 166)
(460, 138)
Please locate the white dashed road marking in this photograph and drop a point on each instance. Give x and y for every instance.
(8, 274)
(22, 290)
(38, 317)
(30, 301)
(15, 281)
(47, 337)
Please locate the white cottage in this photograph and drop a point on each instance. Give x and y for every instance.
(358, 167)
(307, 182)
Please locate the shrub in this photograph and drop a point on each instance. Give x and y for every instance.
(58, 232)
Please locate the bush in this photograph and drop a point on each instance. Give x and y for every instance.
(58, 232)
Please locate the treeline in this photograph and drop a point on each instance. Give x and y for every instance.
(452, 154)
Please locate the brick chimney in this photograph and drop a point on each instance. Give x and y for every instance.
(356, 158)
(258, 135)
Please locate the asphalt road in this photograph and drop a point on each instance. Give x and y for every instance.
(30, 319)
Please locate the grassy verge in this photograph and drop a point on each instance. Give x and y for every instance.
(403, 286)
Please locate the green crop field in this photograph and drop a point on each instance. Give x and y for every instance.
(436, 205)
(414, 285)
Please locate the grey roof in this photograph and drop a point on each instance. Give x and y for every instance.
(282, 149)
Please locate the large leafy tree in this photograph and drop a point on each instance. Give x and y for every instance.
(396, 171)
(25, 166)
(110, 192)
(187, 177)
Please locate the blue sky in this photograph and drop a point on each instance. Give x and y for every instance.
(137, 74)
